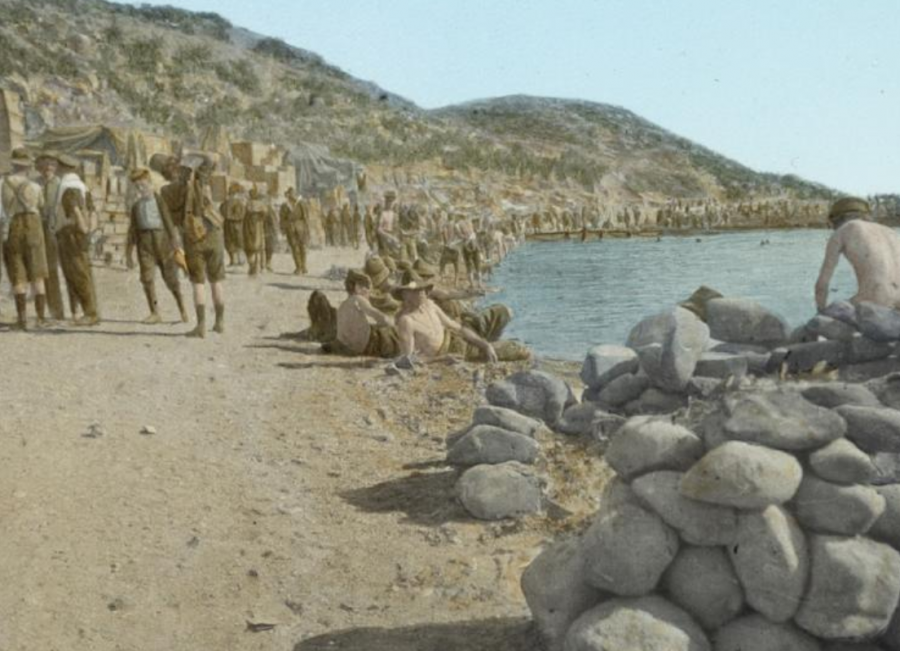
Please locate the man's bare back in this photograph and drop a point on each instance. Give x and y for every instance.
(424, 328)
(873, 251)
(353, 326)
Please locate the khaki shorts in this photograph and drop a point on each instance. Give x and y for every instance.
(206, 259)
(24, 251)
(155, 250)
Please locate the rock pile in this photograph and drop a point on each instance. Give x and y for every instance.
(764, 526)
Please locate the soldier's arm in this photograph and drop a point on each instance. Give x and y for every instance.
(406, 334)
(131, 239)
(379, 317)
(168, 223)
(470, 336)
(832, 256)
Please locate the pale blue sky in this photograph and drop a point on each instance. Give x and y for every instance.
(809, 87)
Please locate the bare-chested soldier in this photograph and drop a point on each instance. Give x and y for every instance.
(873, 251)
(361, 328)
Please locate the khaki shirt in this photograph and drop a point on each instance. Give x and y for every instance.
(20, 194)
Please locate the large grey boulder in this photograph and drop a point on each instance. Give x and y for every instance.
(650, 359)
(831, 508)
(781, 419)
(702, 581)
(829, 328)
(862, 349)
(656, 401)
(756, 633)
(804, 357)
(770, 558)
(887, 468)
(581, 420)
(742, 321)
(877, 322)
(681, 350)
(606, 427)
(644, 624)
(532, 393)
(622, 390)
(887, 527)
(744, 476)
(835, 394)
(842, 462)
(697, 522)
(487, 444)
(555, 590)
(505, 419)
(721, 365)
(886, 389)
(605, 363)
(627, 549)
(853, 589)
(851, 646)
(645, 443)
(495, 492)
(655, 328)
(891, 637)
(873, 429)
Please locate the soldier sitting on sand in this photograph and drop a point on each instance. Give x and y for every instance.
(873, 251)
(426, 332)
(362, 330)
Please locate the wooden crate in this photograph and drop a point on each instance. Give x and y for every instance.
(249, 153)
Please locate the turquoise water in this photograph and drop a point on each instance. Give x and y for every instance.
(568, 296)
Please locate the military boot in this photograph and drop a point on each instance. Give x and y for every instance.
(200, 330)
(220, 319)
(21, 324)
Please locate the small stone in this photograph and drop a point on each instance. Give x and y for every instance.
(702, 581)
(486, 444)
(887, 468)
(721, 365)
(627, 549)
(532, 393)
(506, 419)
(555, 590)
(148, 430)
(742, 321)
(877, 322)
(697, 522)
(831, 508)
(605, 363)
(770, 558)
(872, 429)
(622, 390)
(842, 462)
(886, 389)
(645, 624)
(494, 492)
(756, 633)
(644, 444)
(743, 476)
(654, 328)
(836, 394)
(853, 589)
(780, 419)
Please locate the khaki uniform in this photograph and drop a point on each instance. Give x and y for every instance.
(270, 231)
(24, 251)
(254, 233)
(153, 234)
(234, 209)
(295, 226)
(203, 236)
(48, 217)
(73, 244)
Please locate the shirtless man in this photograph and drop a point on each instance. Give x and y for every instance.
(363, 330)
(385, 228)
(873, 251)
(423, 326)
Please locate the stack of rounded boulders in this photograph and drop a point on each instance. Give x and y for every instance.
(764, 526)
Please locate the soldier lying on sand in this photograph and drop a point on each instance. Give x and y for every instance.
(873, 251)
(361, 329)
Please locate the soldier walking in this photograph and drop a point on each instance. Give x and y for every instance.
(23, 250)
(234, 209)
(254, 230)
(270, 231)
(158, 243)
(46, 165)
(295, 226)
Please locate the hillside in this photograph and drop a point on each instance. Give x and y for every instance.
(177, 72)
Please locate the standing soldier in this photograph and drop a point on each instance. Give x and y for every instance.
(369, 225)
(46, 165)
(270, 230)
(189, 200)
(295, 226)
(234, 209)
(410, 227)
(346, 226)
(331, 227)
(72, 228)
(355, 227)
(23, 250)
(254, 230)
(386, 225)
(157, 242)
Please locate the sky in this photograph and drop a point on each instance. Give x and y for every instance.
(806, 87)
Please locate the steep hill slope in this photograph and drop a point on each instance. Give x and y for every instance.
(177, 72)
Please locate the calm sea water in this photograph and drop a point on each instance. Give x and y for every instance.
(568, 296)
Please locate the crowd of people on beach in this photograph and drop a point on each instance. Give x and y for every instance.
(403, 302)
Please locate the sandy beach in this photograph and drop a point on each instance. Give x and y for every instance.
(281, 487)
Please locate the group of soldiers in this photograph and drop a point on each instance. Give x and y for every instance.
(45, 223)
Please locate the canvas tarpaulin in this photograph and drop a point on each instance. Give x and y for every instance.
(111, 140)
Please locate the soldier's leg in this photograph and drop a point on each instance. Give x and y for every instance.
(197, 272)
(15, 269)
(170, 276)
(150, 293)
(84, 282)
(215, 269)
(54, 287)
(301, 247)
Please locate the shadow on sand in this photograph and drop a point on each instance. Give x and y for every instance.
(301, 288)
(426, 498)
(506, 634)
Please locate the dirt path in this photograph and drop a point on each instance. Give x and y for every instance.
(281, 487)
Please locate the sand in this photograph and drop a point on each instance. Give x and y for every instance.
(281, 487)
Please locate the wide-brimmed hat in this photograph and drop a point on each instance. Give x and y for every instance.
(355, 277)
(848, 205)
(425, 269)
(20, 158)
(48, 155)
(138, 174)
(410, 281)
(377, 270)
(69, 162)
(159, 162)
(404, 265)
(390, 194)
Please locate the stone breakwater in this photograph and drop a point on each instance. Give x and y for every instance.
(746, 514)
